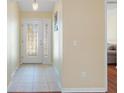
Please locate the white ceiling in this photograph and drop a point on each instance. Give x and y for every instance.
(43, 5)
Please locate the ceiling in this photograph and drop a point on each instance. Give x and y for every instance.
(43, 5)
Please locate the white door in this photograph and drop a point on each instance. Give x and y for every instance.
(32, 41)
(47, 41)
(36, 41)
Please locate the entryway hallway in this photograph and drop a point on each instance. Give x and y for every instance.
(34, 78)
(68, 34)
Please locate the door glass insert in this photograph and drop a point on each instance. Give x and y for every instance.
(32, 40)
(46, 40)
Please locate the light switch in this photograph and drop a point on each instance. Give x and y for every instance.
(75, 43)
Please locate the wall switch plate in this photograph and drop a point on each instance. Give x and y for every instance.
(83, 74)
(75, 43)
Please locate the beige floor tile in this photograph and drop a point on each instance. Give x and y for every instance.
(34, 78)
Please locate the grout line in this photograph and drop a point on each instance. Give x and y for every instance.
(47, 73)
(33, 77)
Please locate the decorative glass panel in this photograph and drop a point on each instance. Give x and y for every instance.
(46, 40)
(32, 41)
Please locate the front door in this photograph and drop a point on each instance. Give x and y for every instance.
(36, 41)
(32, 41)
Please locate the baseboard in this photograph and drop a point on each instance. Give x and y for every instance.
(69, 90)
(56, 71)
(58, 77)
(14, 72)
(12, 75)
(64, 90)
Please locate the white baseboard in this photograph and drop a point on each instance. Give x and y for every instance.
(64, 90)
(14, 72)
(12, 75)
(56, 71)
(58, 77)
(70, 90)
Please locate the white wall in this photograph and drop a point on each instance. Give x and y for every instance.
(57, 39)
(12, 38)
(112, 23)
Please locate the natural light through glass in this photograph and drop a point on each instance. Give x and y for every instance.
(32, 41)
(46, 40)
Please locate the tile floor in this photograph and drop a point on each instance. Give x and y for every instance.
(34, 78)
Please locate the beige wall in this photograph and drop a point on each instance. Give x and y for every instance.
(12, 38)
(84, 65)
(36, 15)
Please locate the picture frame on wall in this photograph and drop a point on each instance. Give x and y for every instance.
(56, 21)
